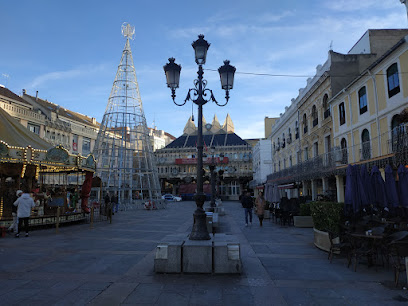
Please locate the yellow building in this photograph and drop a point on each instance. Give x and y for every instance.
(367, 126)
(306, 138)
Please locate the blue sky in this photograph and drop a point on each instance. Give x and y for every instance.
(69, 50)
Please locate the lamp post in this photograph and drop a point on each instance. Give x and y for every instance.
(212, 168)
(201, 95)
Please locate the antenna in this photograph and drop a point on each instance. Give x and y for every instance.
(331, 46)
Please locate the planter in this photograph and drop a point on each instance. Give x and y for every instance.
(321, 240)
(303, 221)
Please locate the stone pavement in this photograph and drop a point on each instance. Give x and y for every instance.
(112, 264)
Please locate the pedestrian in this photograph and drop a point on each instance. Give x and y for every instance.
(247, 204)
(115, 203)
(107, 203)
(260, 203)
(24, 205)
(13, 228)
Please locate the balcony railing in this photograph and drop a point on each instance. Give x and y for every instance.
(365, 151)
(394, 151)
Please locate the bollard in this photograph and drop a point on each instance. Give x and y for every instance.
(92, 216)
(58, 220)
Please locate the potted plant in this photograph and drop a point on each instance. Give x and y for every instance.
(304, 219)
(327, 216)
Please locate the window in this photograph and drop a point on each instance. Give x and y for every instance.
(304, 124)
(315, 149)
(344, 154)
(290, 136)
(75, 143)
(305, 154)
(365, 145)
(362, 98)
(314, 116)
(393, 80)
(34, 128)
(326, 107)
(283, 140)
(86, 146)
(342, 112)
(397, 134)
(297, 130)
(290, 161)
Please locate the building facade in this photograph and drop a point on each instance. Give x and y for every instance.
(261, 162)
(232, 158)
(368, 115)
(308, 165)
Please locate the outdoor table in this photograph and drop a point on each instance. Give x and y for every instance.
(368, 245)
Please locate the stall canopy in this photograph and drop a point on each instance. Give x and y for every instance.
(14, 134)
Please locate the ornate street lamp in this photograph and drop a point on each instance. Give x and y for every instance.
(212, 168)
(201, 95)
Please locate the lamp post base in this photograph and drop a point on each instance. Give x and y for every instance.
(199, 231)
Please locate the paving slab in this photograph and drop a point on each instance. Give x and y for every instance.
(113, 264)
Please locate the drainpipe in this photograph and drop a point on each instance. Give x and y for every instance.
(351, 126)
(376, 111)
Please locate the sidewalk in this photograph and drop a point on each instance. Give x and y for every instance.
(112, 264)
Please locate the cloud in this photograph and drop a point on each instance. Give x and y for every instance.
(352, 5)
(65, 75)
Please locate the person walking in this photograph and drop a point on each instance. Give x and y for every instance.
(108, 206)
(115, 203)
(13, 228)
(247, 204)
(24, 205)
(260, 207)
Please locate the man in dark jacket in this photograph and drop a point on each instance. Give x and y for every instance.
(108, 205)
(247, 204)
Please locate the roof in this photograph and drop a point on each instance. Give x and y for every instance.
(15, 134)
(5, 92)
(63, 111)
(217, 140)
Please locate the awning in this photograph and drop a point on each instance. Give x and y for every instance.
(287, 186)
(260, 187)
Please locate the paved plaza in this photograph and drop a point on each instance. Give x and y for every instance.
(112, 264)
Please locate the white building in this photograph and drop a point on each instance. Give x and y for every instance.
(261, 161)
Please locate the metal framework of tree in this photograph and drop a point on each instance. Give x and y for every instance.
(123, 148)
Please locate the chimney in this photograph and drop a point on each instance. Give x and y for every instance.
(93, 121)
(24, 91)
(36, 95)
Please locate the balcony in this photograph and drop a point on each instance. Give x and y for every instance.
(365, 151)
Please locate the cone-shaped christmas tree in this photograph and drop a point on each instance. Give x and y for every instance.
(123, 148)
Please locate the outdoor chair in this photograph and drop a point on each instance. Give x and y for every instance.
(343, 246)
(398, 251)
(361, 247)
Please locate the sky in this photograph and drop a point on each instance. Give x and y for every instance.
(69, 51)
